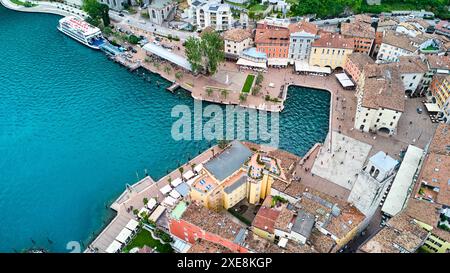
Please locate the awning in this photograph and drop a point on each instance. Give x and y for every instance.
(198, 168)
(114, 247)
(123, 235)
(188, 175)
(168, 55)
(191, 181)
(176, 182)
(305, 67)
(432, 107)
(151, 203)
(157, 213)
(166, 189)
(283, 242)
(170, 201)
(344, 80)
(175, 194)
(277, 62)
(132, 225)
(245, 62)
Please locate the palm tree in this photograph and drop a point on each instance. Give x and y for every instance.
(157, 65)
(224, 93)
(242, 97)
(167, 69)
(178, 75)
(209, 91)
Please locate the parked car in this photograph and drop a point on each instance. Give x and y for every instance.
(121, 15)
(419, 110)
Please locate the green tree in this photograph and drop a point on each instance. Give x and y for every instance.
(133, 39)
(107, 31)
(256, 89)
(194, 53)
(96, 11)
(242, 97)
(206, 53)
(145, 200)
(178, 75)
(167, 69)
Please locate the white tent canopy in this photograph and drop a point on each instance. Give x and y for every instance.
(177, 181)
(305, 67)
(245, 62)
(277, 62)
(114, 247)
(188, 175)
(123, 235)
(344, 80)
(157, 213)
(168, 55)
(191, 181)
(132, 225)
(175, 194)
(170, 201)
(151, 203)
(166, 189)
(432, 107)
(198, 168)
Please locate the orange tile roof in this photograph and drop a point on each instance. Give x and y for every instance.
(383, 88)
(237, 34)
(331, 40)
(272, 36)
(303, 26)
(358, 29)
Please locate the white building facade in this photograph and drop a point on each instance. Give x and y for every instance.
(300, 46)
(211, 14)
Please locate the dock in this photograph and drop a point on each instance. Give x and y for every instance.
(173, 87)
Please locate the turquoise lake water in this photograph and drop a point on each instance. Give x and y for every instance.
(76, 127)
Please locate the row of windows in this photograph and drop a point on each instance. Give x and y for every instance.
(332, 52)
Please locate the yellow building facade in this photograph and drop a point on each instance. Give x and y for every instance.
(434, 242)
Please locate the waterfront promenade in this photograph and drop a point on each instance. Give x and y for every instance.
(46, 7)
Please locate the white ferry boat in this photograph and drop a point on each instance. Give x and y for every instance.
(81, 31)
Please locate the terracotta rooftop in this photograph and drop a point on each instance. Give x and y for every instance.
(398, 40)
(203, 246)
(237, 34)
(272, 36)
(331, 40)
(421, 22)
(211, 221)
(303, 26)
(423, 211)
(364, 18)
(440, 143)
(358, 29)
(438, 61)
(360, 59)
(259, 245)
(321, 242)
(267, 216)
(349, 219)
(383, 88)
(284, 219)
(410, 64)
(386, 23)
(401, 234)
(436, 173)
(337, 217)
